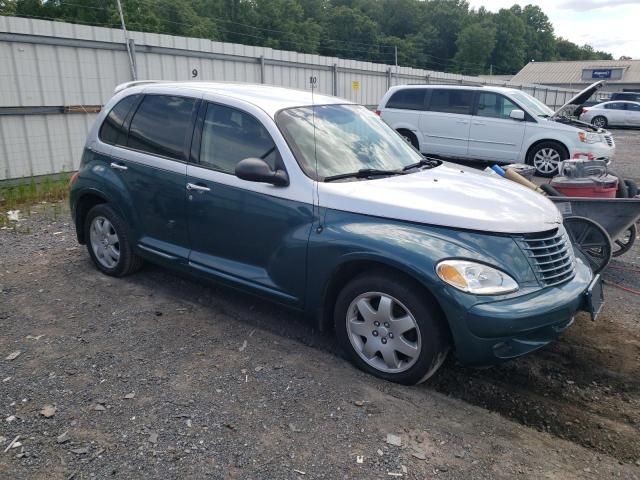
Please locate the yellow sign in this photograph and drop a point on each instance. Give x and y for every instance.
(355, 85)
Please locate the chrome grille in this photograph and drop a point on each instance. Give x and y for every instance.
(550, 255)
(609, 140)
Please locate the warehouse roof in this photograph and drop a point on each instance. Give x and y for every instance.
(581, 71)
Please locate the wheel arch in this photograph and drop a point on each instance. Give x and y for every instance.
(353, 267)
(543, 140)
(85, 202)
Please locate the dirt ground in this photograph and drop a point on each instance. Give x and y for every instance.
(162, 376)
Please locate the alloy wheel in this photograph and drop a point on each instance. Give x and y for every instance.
(599, 122)
(546, 160)
(383, 332)
(104, 242)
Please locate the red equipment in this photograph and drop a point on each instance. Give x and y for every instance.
(585, 178)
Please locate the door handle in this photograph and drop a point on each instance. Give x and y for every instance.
(198, 187)
(479, 123)
(118, 166)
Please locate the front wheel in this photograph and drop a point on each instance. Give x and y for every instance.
(599, 121)
(390, 328)
(545, 157)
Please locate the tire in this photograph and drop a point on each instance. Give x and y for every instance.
(632, 188)
(422, 333)
(591, 239)
(546, 156)
(623, 190)
(410, 137)
(623, 244)
(599, 121)
(108, 242)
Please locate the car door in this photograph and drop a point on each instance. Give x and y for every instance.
(152, 167)
(494, 135)
(615, 113)
(248, 233)
(632, 114)
(445, 125)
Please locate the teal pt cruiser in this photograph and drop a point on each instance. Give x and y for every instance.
(316, 203)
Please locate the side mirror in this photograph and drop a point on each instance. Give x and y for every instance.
(517, 114)
(257, 170)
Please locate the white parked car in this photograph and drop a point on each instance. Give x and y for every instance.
(494, 123)
(620, 113)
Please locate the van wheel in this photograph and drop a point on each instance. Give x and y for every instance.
(410, 137)
(389, 328)
(599, 121)
(546, 156)
(108, 242)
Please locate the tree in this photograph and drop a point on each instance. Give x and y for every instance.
(509, 53)
(475, 44)
(351, 34)
(539, 38)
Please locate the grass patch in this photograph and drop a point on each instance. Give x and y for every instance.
(23, 196)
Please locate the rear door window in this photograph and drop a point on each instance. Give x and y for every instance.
(112, 130)
(161, 124)
(615, 106)
(230, 135)
(408, 99)
(451, 101)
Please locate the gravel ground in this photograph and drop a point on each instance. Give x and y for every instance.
(162, 376)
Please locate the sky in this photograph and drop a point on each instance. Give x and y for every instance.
(609, 25)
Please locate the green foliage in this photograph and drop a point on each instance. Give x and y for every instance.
(434, 34)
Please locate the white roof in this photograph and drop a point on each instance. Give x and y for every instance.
(269, 98)
(489, 88)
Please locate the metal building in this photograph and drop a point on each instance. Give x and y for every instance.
(619, 75)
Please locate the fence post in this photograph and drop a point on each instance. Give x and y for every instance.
(262, 73)
(335, 79)
(388, 78)
(546, 94)
(134, 63)
(428, 78)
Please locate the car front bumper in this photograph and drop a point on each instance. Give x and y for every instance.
(500, 330)
(595, 151)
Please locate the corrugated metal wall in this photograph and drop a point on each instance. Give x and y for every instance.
(55, 64)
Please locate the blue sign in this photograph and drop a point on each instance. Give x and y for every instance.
(601, 73)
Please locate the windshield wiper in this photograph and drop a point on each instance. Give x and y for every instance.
(363, 173)
(425, 162)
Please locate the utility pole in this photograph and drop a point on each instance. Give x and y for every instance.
(395, 47)
(127, 43)
(491, 70)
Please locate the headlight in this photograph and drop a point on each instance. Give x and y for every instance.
(475, 277)
(589, 137)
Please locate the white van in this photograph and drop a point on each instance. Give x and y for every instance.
(498, 124)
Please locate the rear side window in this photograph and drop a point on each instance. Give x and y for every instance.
(408, 99)
(112, 129)
(230, 135)
(614, 106)
(451, 101)
(160, 125)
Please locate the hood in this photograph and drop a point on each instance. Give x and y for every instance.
(447, 197)
(578, 100)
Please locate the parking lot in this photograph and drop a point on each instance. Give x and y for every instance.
(162, 376)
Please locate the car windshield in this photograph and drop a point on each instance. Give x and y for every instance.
(346, 139)
(532, 104)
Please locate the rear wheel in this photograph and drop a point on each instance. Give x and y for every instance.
(389, 328)
(599, 121)
(410, 137)
(546, 156)
(108, 242)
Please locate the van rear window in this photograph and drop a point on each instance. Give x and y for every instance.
(408, 99)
